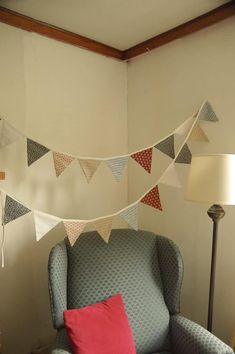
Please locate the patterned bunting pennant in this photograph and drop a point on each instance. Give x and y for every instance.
(184, 156)
(144, 158)
(13, 210)
(207, 113)
(103, 227)
(170, 177)
(184, 128)
(61, 162)
(117, 166)
(35, 151)
(152, 198)
(167, 146)
(73, 230)
(44, 223)
(8, 134)
(130, 215)
(198, 134)
(89, 168)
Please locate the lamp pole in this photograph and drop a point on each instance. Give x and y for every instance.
(216, 212)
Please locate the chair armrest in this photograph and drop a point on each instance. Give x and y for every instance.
(57, 271)
(61, 345)
(188, 337)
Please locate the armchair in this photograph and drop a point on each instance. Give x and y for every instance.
(147, 270)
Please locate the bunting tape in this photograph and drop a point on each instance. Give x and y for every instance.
(44, 222)
(117, 164)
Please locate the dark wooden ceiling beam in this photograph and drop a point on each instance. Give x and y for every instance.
(29, 24)
(210, 18)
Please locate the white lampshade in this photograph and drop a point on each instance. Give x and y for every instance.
(212, 179)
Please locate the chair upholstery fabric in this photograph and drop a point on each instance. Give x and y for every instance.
(145, 268)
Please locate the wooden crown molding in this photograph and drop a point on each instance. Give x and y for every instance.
(29, 24)
(210, 18)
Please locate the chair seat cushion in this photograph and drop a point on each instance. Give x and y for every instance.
(101, 328)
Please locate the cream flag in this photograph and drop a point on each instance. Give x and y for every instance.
(103, 227)
(184, 128)
(61, 162)
(130, 215)
(8, 134)
(44, 223)
(73, 230)
(89, 168)
(170, 177)
(198, 134)
(117, 166)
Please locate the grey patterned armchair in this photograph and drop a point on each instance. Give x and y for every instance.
(147, 270)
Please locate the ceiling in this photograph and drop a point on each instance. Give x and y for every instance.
(118, 23)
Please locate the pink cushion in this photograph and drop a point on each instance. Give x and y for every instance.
(102, 328)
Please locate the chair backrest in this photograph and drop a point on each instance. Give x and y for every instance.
(145, 268)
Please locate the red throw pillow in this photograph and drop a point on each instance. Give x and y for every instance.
(101, 328)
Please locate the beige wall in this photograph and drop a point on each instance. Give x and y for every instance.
(72, 101)
(164, 88)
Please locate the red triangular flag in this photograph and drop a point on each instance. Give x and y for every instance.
(144, 158)
(152, 198)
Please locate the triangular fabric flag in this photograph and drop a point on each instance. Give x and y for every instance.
(117, 166)
(89, 168)
(144, 158)
(8, 134)
(184, 156)
(104, 227)
(35, 151)
(13, 210)
(61, 162)
(198, 134)
(167, 146)
(73, 230)
(44, 223)
(184, 128)
(207, 113)
(170, 177)
(152, 198)
(130, 215)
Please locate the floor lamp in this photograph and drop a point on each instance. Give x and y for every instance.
(212, 180)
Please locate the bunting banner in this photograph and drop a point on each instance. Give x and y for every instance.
(73, 230)
(44, 223)
(198, 134)
(130, 215)
(89, 168)
(152, 198)
(117, 164)
(35, 151)
(144, 158)
(104, 227)
(61, 162)
(167, 146)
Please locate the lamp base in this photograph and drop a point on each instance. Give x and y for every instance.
(216, 212)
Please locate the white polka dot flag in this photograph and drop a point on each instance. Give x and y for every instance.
(117, 166)
(89, 168)
(61, 162)
(73, 230)
(198, 134)
(144, 159)
(8, 134)
(104, 227)
(152, 198)
(44, 223)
